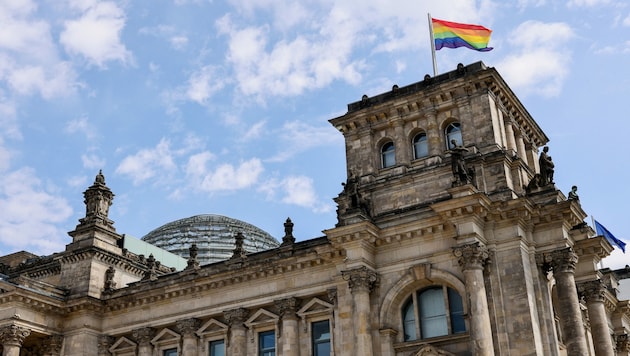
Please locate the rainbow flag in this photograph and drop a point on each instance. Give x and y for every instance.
(452, 35)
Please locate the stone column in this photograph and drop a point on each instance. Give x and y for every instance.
(472, 259)
(594, 294)
(509, 135)
(520, 147)
(361, 281)
(143, 337)
(187, 329)
(104, 343)
(563, 263)
(11, 338)
(237, 334)
(401, 143)
(289, 334)
(433, 133)
(51, 345)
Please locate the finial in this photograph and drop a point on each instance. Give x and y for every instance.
(288, 238)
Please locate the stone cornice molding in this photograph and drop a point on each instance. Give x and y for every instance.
(49, 305)
(13, 334)
(360, 279)
(472, 256)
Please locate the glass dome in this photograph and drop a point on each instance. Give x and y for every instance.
(213, 234)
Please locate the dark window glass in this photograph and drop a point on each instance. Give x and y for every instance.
(170, 352)
(267, 343)
(420, 146)
(388, 155)
(217, 348)
(409, 321)
(321, 338)
(453, 132)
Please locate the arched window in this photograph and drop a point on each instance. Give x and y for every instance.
(420, 145)
(388, 155)
(453, 132)
(431, 312)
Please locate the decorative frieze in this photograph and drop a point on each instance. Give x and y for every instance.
(360, 279)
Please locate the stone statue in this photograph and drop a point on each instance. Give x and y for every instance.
(458, 164)
(546, 167)
(109, 279)
(573, 193)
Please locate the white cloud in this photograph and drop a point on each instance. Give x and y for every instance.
(31, 213)
(254, 131)
(203, 84)
(92, 161)
(626, 21)
(227, 177)
(81, 125)
(148, 163)
(587, 3)
(295, 190)
(541, 59)
(296, 137)
(96, 34)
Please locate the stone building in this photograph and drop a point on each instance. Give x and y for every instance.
(451, 240)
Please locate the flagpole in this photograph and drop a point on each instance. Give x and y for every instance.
(435, 70)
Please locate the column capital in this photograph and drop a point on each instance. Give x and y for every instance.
(592, 291)
(623, 342)
(52, 344)
(143, 336)
(287, 307)
(471, 256)
(187, 327)
(104, 343)
(360, 279)
(13, 335)
(562, 260)
(236, 317)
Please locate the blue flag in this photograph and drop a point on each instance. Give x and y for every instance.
(601, 230)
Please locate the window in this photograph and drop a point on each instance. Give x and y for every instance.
(388, 155)
(453, 132)
(170, 352)
(267, 343)
(320, 331)
(432, 312)
(217, 348)
(420, 146)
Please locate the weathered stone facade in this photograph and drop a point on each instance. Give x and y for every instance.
(439, 249)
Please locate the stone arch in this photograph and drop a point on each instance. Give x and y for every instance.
(417, 277)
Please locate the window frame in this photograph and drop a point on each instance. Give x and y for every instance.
(172, 349)
(453, 130)
(414, 300)
(415, 143)
(314, 342)
(259, 334)
(388, 154)
(210, 342)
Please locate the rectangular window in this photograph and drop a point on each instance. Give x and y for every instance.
(170, 352)
(320, 331)
(267, 343)
(217, 348)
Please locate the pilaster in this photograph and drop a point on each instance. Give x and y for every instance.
(361, 281)
(187, 329)
(289, 328)
(237, 336)
(143, 337)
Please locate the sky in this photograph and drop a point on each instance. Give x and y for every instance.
(221, 107)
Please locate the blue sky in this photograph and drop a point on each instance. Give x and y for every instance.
(194, 107)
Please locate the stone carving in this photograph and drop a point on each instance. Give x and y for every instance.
(546, 167)
(188, 327)
(360, 279)
(193, 263)
(355, 199)
(573, 193)
(51, 345)
(560, 261)
(471, 256)
(98, 198)
(236, 317)
(332, 295)
(288, 238)
(110, 285)
(150, 274)
(458, 164)
(429, 350)
(104, 343)
(592, 291)
(143, 336)
(13, 335)
(287, 307)
(239, 250)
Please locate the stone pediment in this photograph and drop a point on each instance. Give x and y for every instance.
(212, 327)
(262, 316)
(429, 350)
(314, 306)
(123, 345)
(166, 335)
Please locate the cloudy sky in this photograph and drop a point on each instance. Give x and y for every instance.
(199, 106)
